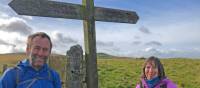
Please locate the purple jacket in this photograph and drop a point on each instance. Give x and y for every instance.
(166, 81)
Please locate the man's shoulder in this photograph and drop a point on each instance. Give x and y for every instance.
(54, 74)
(10, 70)
(9, 74)
(53, 71)
(8, 78)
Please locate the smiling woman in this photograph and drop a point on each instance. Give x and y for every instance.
(153, 75)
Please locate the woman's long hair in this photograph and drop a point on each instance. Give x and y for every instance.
(156, 62)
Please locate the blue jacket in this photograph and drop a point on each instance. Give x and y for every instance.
(24, 76)
(0, 84)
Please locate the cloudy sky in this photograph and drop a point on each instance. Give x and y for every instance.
(166, 28)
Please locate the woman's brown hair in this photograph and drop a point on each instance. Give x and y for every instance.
(156, 62)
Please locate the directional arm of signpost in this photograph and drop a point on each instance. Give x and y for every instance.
(86, 12)
(70, 11)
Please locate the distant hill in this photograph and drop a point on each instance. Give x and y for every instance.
(11, 57)
(104, 56)
(19, 56)
(14, 54)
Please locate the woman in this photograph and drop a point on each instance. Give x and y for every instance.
(153, 75)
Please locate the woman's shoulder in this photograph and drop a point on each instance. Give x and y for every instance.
(137, 86)
(142, 82)
(169, 83)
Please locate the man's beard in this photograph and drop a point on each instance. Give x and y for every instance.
(34, 59)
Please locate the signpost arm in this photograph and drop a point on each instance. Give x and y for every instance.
(90, 44)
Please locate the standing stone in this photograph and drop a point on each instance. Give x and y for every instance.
(75, 68)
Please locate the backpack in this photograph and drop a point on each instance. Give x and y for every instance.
(33, 80)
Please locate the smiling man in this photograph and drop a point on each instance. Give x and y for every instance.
(34, 71)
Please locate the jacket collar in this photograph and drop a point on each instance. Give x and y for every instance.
(26, 64)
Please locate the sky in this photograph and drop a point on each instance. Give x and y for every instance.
(166, 28)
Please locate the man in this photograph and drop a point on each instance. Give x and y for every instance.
(34, 71)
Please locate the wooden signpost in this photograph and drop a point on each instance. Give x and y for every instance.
(86, 12)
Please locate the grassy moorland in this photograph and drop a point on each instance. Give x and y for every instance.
(125, 73)
(120, 72)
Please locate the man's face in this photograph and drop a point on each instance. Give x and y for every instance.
(38, 51)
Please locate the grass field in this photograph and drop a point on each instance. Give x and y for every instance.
(124, 72)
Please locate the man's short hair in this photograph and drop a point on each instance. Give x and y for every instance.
(42, 35)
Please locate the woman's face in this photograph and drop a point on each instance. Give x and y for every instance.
(151, 71)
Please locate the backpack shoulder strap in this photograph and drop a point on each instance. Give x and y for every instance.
(17, 70)
(141, 86)
(163, 85)
(50, 75)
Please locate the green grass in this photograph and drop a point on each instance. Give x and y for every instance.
(116, 72)
(125, 73)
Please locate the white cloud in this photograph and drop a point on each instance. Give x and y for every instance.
(165, 33)
(144, 30)
(136, 37)
(6, 43)
(12, 44)
(62, 43)
(105, 44)
(13, 33)
(27, 17)
(59, 37)
(150, 51)
(3, 15)
(15, 25)
(136, 42)
(7, 49)
(153, 43)
(183, 34)
(107, 47)
(173, 52)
